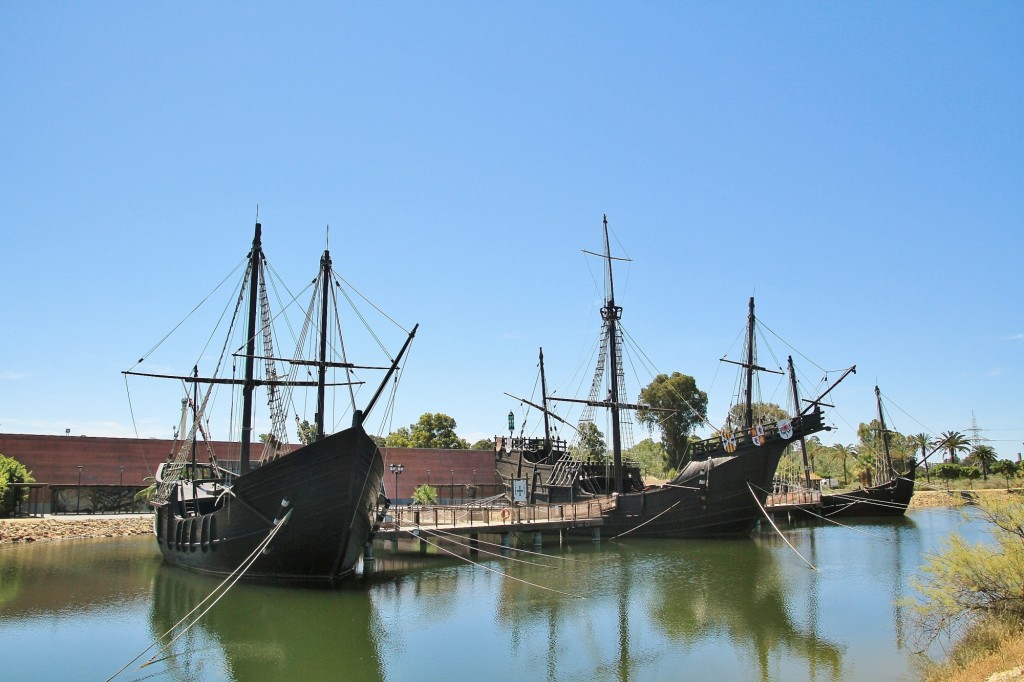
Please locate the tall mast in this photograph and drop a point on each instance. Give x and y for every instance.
(611, 314)
(796, 408)
(255, 265)
(321, 379)
(884, 433)
(544, 402)
(748, 411)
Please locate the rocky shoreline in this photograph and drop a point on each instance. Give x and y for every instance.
(71, 527)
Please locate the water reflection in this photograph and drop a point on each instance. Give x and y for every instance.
(625, 610)
(266, 632)
(696, 596)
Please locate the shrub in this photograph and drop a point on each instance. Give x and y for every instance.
(424, 494)
(967, 584)
(12, 471)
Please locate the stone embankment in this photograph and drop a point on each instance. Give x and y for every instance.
(70, 527)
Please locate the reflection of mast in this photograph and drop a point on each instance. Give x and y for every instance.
(623, 666)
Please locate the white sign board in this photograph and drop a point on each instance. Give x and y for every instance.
(519, 490)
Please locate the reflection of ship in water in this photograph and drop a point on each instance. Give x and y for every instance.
(267, 633)
(693, 595)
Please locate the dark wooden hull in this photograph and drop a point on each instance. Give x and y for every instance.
(886, 499)
(718, 497)
(331, 488)
(723, 500)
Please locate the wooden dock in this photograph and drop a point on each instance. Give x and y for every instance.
(475, 520)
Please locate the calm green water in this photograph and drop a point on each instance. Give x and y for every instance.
(621, 610)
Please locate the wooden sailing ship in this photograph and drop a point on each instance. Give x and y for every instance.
(295, 513)
(720, 491)
(886, 493)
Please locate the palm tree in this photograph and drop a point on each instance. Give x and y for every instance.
(953, 442)
(986, 456)
(921, 440)
(845, 452)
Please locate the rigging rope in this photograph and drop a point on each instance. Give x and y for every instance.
(768, 516)
(221, 589)
(494, 570)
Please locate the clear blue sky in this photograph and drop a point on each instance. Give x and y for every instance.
(855, 166)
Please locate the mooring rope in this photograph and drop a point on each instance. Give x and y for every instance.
(767, 516)
(449, 535)
(853, 499)
(494, 570)
(805, 510)
(232, 578)
(495, 554)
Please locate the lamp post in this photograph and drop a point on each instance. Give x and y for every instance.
(396, 469)
(78, 502)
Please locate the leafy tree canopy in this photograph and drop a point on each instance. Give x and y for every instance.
(679, 393)
(763, 413)
(650, 455)
(1005, 468)
(483, 444)
(590, 443)
(307, 432)
(433, 430)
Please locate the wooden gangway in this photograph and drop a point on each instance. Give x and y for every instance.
(471, 520)
(793, 501)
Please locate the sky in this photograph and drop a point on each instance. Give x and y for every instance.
(856, 167)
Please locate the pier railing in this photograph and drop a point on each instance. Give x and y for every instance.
(460, 517)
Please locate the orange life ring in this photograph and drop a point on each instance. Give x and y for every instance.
(505, 513)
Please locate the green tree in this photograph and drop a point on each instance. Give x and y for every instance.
(688, 405)
(379, 441)
(399, 438)
(972, 474)
(483, 444)
(433, 430)
(307, 431)
(948, 471)
(953, 442)
(650, 455)
(864, 466)
(12, 471)
(965, 584)
(590, 443)
(1006, 468)
(764, 413)
(845, 453)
